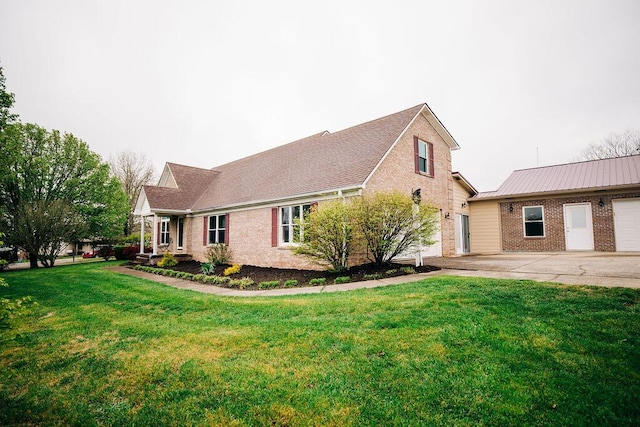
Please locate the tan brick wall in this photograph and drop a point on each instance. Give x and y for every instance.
(250, 241)
(397, 172)
(603, 228)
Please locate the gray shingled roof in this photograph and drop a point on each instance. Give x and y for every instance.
(618, 172)
(322, 162)
(191, 183)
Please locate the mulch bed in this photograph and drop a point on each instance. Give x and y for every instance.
(267, 274)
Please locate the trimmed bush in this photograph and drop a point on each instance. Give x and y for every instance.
(342, 279)
(234, 269)
(168, 260)
(290, 283)
(243, 283)
(317, 281)
(408, 270)
(374, 276)
(269, 285)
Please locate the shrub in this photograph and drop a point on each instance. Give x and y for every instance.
(168, 260)
(198, 277)
(341, 279)
(408, 270)
(391, 223)
(3, 264)
(390, 272)
(328, 234)
(219, 254)
(290, 283)
(243, 283)
(317, 281)
(106, 252)
(208, 268)
(373, 276)
(118, 252)
(216, 280)
(234, 269)
(269, 285)
(184, 275)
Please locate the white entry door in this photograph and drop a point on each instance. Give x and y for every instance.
(626, 214)
(578, 226)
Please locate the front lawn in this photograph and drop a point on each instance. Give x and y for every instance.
(108, 349)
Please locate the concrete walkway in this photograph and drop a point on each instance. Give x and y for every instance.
(608, 269)
(593, 268)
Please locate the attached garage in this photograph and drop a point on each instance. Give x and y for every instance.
(626, 216)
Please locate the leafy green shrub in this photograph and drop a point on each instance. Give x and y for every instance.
(168, 260)
(208, 268)
(184, 275)
(269, 285)
(318, 281)
(216, 280)
(390, 272)
(290, 283)
(218, 254)
(341, 279)
(3, 264)
(391, 223)
(373, 276)
(243, 283)
(234, 269)
(198, 277)
(408, 270)
(328, 234)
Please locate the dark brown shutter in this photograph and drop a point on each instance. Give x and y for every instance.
(205, 231)
(226, 230)
(416, 154)
(431, 162)
(274, 227)
(159, 229)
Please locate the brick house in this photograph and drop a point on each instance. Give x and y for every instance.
(587, 206)
(250, 204)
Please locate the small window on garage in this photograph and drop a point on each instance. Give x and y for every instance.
(533, 217)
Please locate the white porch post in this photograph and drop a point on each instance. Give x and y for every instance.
(155, 234)
(141, 234)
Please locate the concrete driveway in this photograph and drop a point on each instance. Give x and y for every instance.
(575, 268)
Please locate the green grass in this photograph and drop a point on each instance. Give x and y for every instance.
(107, 349)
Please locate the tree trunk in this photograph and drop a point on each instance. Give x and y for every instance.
(33, 260)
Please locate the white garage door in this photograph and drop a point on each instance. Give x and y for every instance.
(626, 218)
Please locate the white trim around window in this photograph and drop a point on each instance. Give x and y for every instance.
(289, 231)
(533, 221)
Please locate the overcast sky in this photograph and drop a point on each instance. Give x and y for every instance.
(517, 83)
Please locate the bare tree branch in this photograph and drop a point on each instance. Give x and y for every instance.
(622, 144)
(133, 170)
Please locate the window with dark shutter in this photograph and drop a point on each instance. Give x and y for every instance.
(423, 151)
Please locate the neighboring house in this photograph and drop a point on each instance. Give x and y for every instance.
(251, 204)
(585, 206)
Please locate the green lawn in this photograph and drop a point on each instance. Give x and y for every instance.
(107, 349)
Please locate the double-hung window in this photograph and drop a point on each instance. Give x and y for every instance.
(164, 230)
(217, 229)
(291, 218)
(533, 217)
(423, 157)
